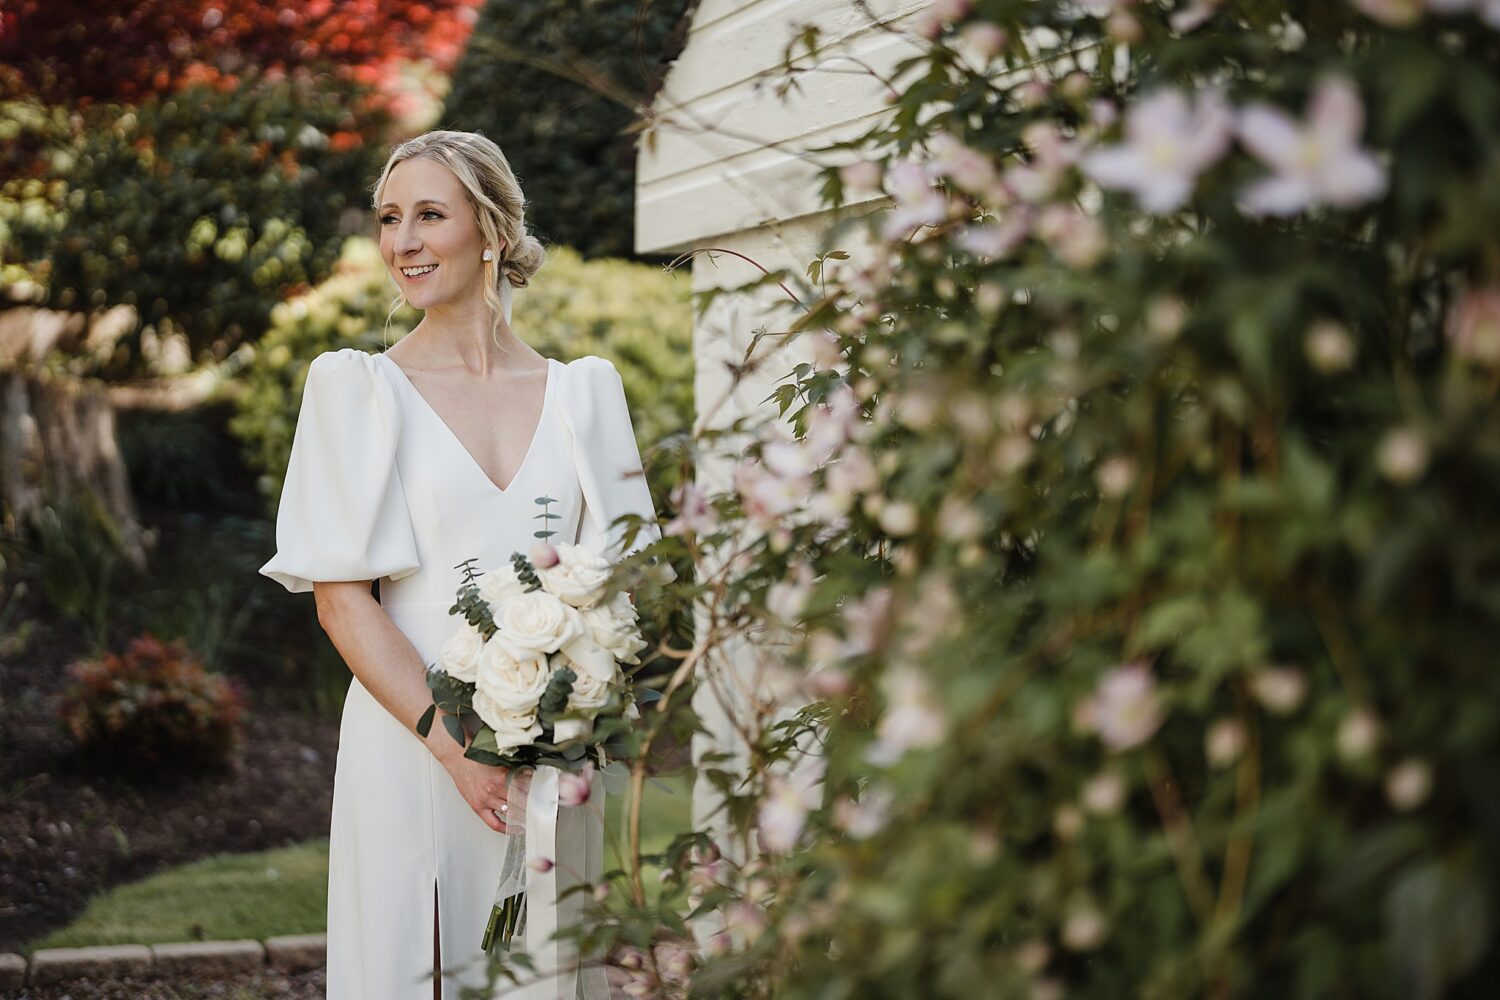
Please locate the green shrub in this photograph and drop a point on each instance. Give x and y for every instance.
(185, 460)
(524, 81)
(201, 209)
(152, 709)
(73, 553)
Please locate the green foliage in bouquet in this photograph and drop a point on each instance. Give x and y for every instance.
(151, 710)
(555, 700)
(455, 698)
(1146, 606)
(474, 609)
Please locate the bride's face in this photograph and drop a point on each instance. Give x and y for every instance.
(425, 219)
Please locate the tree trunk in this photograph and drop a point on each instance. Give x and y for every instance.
(57, 444)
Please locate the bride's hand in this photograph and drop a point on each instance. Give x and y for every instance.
(484, 788)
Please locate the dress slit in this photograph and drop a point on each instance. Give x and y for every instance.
(437, 945)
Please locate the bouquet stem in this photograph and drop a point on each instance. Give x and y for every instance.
(504, 919)
(507, 915)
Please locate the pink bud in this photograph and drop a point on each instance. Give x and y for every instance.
(544, 554)
(542, 865)
(1408, 784)
(863, 175)
(830, 682)
(574, 789)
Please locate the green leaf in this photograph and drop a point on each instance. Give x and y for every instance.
(455, 729)
(554, 700)
(486, 757)
(424, 724)
(484, 740)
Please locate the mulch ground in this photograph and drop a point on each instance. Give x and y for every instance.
(67, 833)
(270, 985)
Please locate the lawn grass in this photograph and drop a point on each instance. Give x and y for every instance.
(229, 896)
(666, 812)
(285, 891)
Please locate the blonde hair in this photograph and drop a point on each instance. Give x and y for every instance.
(495, 196)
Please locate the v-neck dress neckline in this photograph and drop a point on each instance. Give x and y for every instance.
(536, 433)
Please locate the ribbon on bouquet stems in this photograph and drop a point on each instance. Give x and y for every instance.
(528, 900)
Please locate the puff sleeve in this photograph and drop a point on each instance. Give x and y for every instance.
(606, 457)
(342, 514)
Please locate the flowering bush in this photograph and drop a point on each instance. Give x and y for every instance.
(1128, 533)
(152, 709)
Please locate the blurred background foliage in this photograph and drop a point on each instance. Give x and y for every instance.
(71, 52)
(198, 161)
(561, 86)
(200, 210)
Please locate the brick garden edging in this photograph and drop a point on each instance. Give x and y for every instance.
(292, 953)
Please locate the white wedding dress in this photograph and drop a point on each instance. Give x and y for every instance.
(379, 487)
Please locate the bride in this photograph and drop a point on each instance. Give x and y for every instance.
(403, 465)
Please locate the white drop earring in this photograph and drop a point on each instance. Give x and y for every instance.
(489, 254)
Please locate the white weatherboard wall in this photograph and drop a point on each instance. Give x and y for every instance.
(725, 167)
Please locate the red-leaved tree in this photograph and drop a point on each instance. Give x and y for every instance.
(70, 52)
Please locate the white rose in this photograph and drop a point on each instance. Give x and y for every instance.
(572, 729)
(579, 576)
(613, 626)
(589, 693)
(514, 683)
(586, 656)
(512, 729)
(460, 655)
(537, 622)
(500, 585)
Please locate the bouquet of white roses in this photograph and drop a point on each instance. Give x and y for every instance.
(536, 666)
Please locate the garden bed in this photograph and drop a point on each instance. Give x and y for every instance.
(264, 985)
(67, 833)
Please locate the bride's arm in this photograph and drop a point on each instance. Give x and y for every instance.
(389, 667)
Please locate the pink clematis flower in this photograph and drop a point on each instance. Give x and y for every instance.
(1315, 162)
(973, 171)
(918, 203)
(913, 720)
(1050, 156)
(695, 515)
(996, 240)
(767, 496)
(1124, 709)
(789, 798)
(1168, 143)
(1474, 326)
